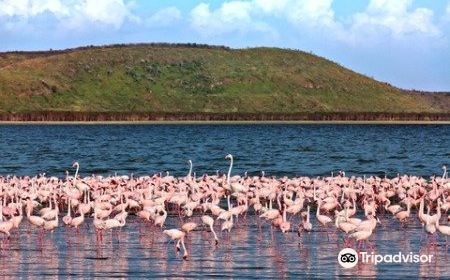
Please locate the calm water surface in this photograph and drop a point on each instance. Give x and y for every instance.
(276, 149)
(139, 250)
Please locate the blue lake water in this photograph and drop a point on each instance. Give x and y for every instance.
(140, 250)
(277, 149)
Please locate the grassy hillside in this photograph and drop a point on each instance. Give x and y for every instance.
(189, 79)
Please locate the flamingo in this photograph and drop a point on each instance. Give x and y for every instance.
(68, 218)
(35, 220)
(209, 221)
(445, 230)
(52, 224)
(402, 216)
(227, 226)
(5, 226)
(285, 226)
(324, 220)
(360, 236)
(16, 220)
(188, 227)
(77, 221)
(306, 224)
(176, 234)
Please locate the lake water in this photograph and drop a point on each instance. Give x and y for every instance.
(139, 250)
(277, 149)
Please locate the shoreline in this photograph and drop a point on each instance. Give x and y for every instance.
(161, 117)
(214, 122)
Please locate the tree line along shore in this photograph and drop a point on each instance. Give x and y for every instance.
(125, 116)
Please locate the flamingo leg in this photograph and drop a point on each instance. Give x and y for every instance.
(359, 246)
(185, 255)
(177, 246)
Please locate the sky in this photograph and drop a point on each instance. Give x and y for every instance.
(402, 42)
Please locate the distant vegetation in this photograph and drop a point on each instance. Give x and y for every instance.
(195, 79)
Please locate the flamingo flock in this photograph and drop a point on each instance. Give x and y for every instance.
(212, 202)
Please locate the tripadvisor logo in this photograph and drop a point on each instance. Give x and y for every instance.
(348, 258)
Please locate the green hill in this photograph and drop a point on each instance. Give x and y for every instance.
(195, 79)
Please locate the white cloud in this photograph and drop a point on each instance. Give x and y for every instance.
(396, 17)
(30, 8)
(229, 17)
(165, 17)
(14, 8)
(272, 6)
(73, 13)
(312, 13)
(246, 16)
(113, 12)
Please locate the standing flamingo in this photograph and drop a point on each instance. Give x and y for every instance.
(209, 221)
(68, 218)
(178, 235)
(5, 226)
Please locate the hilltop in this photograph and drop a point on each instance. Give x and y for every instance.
(191, 79)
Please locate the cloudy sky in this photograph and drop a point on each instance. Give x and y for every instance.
(404, 42)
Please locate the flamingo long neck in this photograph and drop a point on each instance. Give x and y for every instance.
(29, 208)
(229, 171)
(190, 169)
(421, 207)
(314, 192)
(438, 210)
(76, 175)
(228, 184)
(279, 202)
(68, 208)
(184, 247)
(318, 208)
(212, 230)
(56, 204)
(307, 215)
